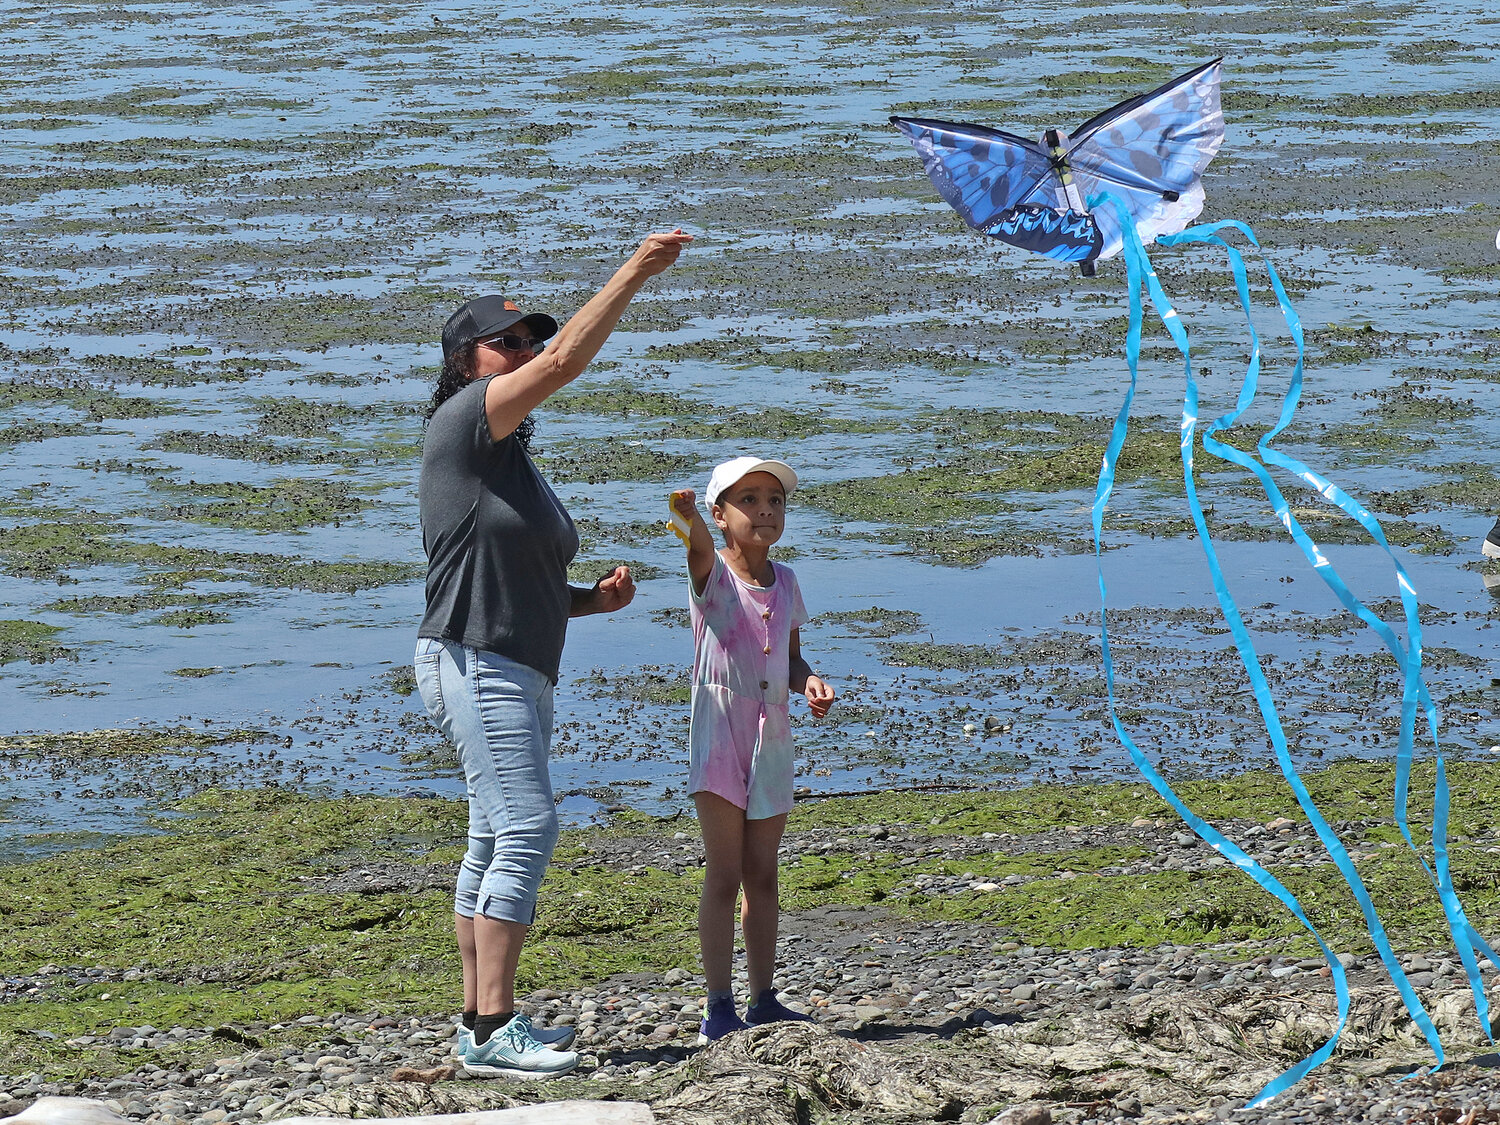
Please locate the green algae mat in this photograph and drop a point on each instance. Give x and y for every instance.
(260, 907)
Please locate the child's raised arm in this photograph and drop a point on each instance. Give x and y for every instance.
(804, 681)
(700, 541)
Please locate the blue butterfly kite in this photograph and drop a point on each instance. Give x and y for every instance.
(1148, 152)
(1129, 176)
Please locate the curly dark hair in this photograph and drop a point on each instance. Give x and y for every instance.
(458, 370)
(458, 373)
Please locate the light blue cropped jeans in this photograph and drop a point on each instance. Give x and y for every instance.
(498, 714)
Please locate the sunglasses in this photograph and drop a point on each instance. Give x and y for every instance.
(508, 343)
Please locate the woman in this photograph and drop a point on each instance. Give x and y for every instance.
(498, 546)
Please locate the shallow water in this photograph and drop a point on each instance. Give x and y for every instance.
(249, 223)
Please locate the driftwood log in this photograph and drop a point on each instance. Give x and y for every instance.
(65, 1111)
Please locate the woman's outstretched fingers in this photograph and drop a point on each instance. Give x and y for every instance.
(658, 251)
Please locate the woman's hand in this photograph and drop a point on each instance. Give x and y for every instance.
(820, 696)
(658, 251)
(614, 591)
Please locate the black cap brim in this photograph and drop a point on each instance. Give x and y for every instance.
(488, 316)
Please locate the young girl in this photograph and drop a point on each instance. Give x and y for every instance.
(746, 612)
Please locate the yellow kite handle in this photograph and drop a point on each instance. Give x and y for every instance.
(676, 524)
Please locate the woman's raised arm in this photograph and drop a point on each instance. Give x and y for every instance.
(509, 398)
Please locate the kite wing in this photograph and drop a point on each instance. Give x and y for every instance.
(1149, 152)
(1003, 186)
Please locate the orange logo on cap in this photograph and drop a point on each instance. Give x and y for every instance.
(510, 306)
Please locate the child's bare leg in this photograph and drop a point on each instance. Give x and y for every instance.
(723, 824)
(761, 912)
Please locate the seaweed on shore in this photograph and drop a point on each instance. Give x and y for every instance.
(241, 907)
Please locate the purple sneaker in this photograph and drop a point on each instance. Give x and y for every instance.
(768, 1009)
(719, 1021)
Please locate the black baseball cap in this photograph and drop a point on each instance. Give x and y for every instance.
(486, 316)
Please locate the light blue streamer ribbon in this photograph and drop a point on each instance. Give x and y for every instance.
(1466, 939)
(1414, 694)
(1138, 268)
(1251, 662)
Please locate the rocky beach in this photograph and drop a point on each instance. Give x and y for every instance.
(934, 998)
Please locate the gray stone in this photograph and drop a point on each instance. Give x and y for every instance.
(1030, 1113)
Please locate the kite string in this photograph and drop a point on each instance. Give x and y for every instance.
(1414, 690)
(1136, 265)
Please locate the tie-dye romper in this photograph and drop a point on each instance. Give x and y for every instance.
(740, 743)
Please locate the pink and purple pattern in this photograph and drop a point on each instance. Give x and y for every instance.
(740, 745)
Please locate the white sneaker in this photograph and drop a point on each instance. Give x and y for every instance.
(514, 1052)
(1491, 548)
(557, 1038)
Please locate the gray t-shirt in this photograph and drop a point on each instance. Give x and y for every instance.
(498, 540)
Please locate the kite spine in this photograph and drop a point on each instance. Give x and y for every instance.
(1065, 173)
